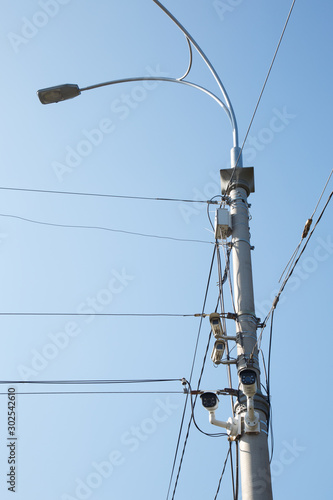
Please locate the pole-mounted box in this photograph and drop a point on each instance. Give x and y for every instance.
(223, 226)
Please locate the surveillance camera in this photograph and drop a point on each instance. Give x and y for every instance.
(209, 400)
(218, 351)
(216, 325)
(248, 380)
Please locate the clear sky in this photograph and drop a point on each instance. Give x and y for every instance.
(170, 141)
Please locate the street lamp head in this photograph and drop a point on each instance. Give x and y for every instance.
(58, 93)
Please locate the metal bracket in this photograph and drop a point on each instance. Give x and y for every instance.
(251, 426)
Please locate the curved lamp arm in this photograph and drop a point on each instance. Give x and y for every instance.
(68, 91)
(211, 68)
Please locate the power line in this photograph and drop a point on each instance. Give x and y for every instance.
(102, 195)
(277, 297)
(90, 392)
(305, 232)
(191, 374)
(261, 93)
(89, 381)
(145, 315)
(223, 471)
(191, 417)
(101, 228)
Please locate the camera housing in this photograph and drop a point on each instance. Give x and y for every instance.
(218, 351)
(209, 400)
(248, 380)
(216, 325)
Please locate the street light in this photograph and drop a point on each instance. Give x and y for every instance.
(58, 93)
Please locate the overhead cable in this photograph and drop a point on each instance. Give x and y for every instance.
(277, 297)
(305, 232)
(101, 228)
(103, 195)
(261, 93)
(190, 379)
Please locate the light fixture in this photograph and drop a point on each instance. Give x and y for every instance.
(58, 93)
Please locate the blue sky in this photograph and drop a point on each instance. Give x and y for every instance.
(157, 140)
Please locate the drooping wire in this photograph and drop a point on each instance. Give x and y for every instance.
(101, 228)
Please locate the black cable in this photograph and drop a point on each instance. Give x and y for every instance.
(223, 470)
(262, 91)
(101, 228)
(277, 298)
(177, 445)
(145, 315)
(269, 366)
(191, 417)
(191, 374)
(89, 381)
(232, 473)
(237, 470)
(90, 392)
(101, 195)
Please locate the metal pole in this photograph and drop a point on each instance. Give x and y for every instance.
(238, 183)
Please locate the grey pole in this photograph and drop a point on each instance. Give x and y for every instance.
(238, 183)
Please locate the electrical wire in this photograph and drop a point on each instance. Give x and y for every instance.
(223, 471)
(145, 315)
(91, 392)
(101, 228)
(237, 470)
(222, 280)
(277, 297)
(191, 417)
(101, 195)
(261, 94)
(191, 374)
(305, 231)
(88, 381)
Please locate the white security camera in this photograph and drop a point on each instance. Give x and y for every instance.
(218, 351)
(216, 325)
(210, 401)
(248, 380)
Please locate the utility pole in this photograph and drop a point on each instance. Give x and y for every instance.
(238, 183)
